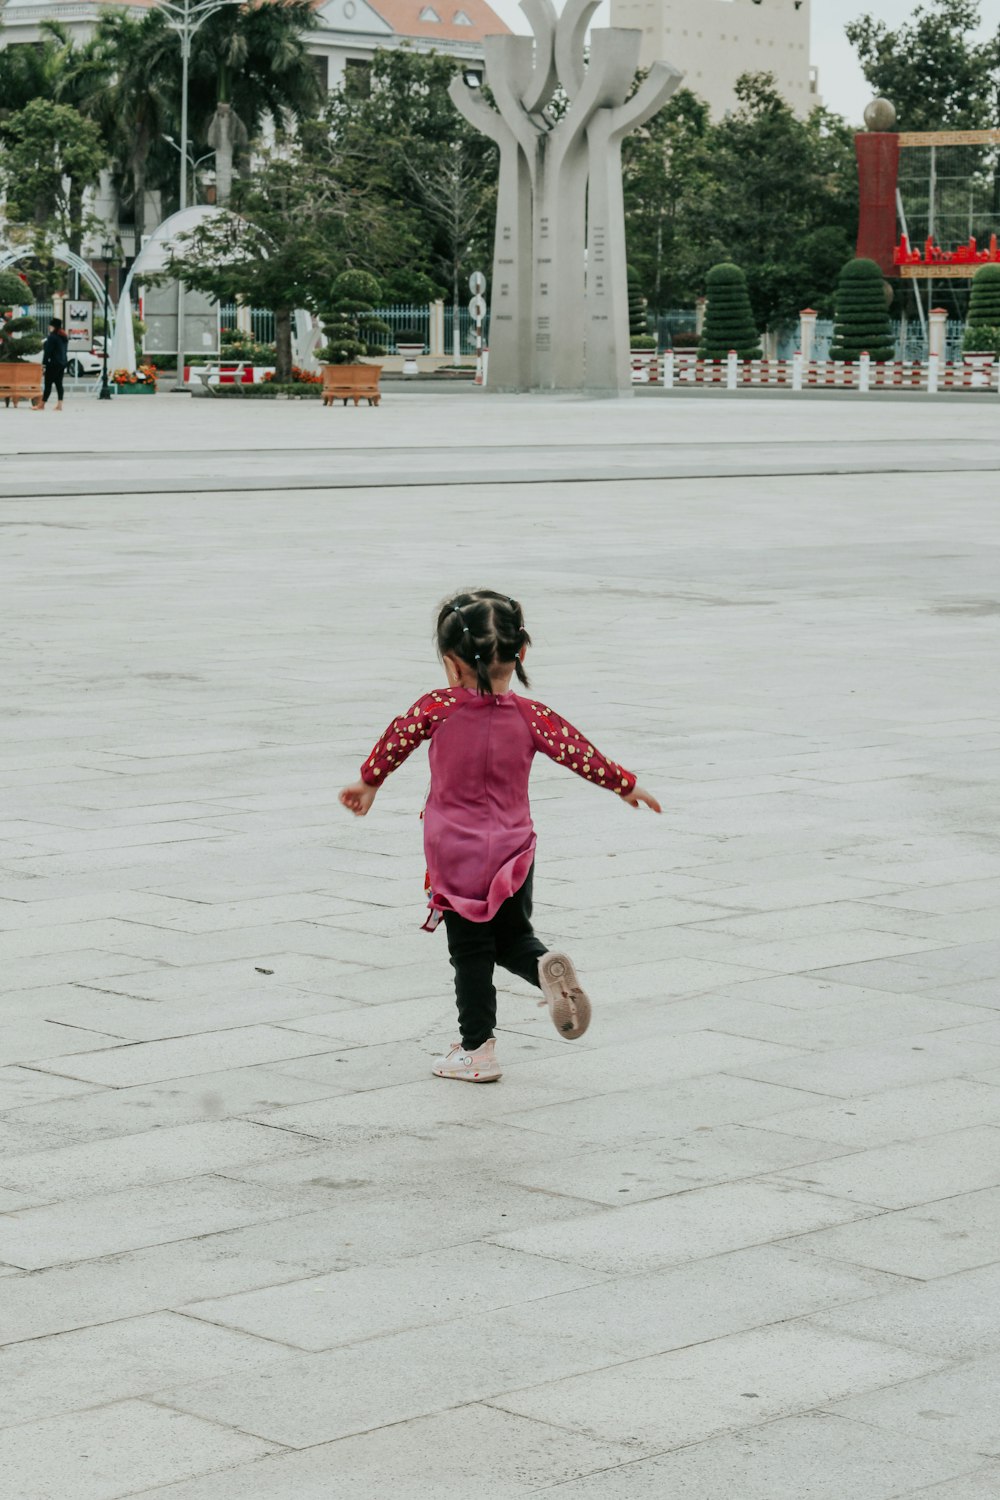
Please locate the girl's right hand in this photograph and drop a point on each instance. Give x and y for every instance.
(638, 795)
(358, 798)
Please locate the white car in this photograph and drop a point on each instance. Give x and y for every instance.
(78, 362)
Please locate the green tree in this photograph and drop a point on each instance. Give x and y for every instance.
(935, 70)
(295, 226)
(51, 155)
(350, 324)
(982, 331)
(18, 336)
(662, 167)
(249, 62)
(863, 325)
(403, 142)
(137, 105)
(729, 323)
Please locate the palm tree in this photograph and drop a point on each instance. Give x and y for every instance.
(249, 63)
(139, 104)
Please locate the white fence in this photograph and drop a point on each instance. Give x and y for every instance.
(679, 370)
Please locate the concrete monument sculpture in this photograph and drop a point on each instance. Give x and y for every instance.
(559, 313)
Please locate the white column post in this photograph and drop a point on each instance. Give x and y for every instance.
(668, 370)
(732, 370)
(933, 371)
(701, 303)
(865, 372)
(435, 329)
(797, 370)
(807, 332)
(937, 331)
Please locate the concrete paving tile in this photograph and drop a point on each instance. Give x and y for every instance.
(114, 1451)
(956, 1316)
(909, 1172)
(101, 1114)
(638, 1315)
(596, 1069)
(319, 1397)
(511, 1456)
(899, 1114)
(807, 992)
(128, 1358)
(651, 1113)
(687, 1395)
(164, 1155)
(813, 890)
(847, 1025)
(322, 1312)
(111, 1222)
(150, 1062)
(19, 1086)
(851, 1071)
(953, 1234)
(720, 1153)
(956, 896)
(687, 1226)
(823, 1457)
(803, 954)
(984, 1484)
(141, 1020)
(30, 1041)
(956, 1405)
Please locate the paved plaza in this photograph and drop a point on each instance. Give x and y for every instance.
(742, 1239)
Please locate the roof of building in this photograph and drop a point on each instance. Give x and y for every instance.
(451, 20)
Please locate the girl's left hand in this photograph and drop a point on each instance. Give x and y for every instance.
(358, 798)
(638, 796)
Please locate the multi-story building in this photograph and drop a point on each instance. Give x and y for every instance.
(715, 41)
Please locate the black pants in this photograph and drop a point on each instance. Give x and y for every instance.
(53, 377)
(509, 940)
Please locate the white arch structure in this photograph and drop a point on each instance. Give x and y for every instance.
(67, 257)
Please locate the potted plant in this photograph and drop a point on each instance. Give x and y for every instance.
(20, 380)
(141, 382)
(861, 318)
(729, 321)
(410, 344)
(981, 340)
(350, 328)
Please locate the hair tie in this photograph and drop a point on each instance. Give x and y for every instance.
(477, 656)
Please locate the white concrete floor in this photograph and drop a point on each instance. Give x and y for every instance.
(744, 1237)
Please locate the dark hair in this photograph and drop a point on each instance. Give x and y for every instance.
(483, 629)
(56, 323)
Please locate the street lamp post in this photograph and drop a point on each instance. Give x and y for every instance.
(186, 17)
(107, 250)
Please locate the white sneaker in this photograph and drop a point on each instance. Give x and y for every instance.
(568, 1002)
(480, 1066)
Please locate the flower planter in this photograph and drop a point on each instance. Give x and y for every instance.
(351, 383)
(134, 388)
(981, 366)
(20, 381)
(410, 353)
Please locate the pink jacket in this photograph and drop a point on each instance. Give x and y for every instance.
(479, 839)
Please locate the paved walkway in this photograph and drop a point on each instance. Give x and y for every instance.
(742, 1239)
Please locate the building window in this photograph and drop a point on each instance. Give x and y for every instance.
(321, 67)
(461, 19)
(357, 78)
(429, 14)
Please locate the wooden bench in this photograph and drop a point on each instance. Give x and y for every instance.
(351, 383)
(20, 381)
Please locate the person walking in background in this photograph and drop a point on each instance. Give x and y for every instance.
(478, 835)
(54, 361)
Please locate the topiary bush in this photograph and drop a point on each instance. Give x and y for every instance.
(982, 330)
(350, 325)
(729, 322)
(861, 320)
(19, 337)
(639, 336)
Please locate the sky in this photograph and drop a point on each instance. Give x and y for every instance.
(840, 79)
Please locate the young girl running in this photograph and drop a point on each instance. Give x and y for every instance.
(478, 836)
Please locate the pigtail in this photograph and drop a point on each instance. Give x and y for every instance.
(484, 630)
(483, 681)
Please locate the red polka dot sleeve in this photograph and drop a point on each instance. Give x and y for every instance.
(406, 732)
(557, 739)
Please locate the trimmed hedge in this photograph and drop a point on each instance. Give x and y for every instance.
(267, 390)
(862, 324)
(982, 331)
(729, 322)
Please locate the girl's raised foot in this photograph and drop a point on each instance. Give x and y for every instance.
(480, 1066)
(569, 1005)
